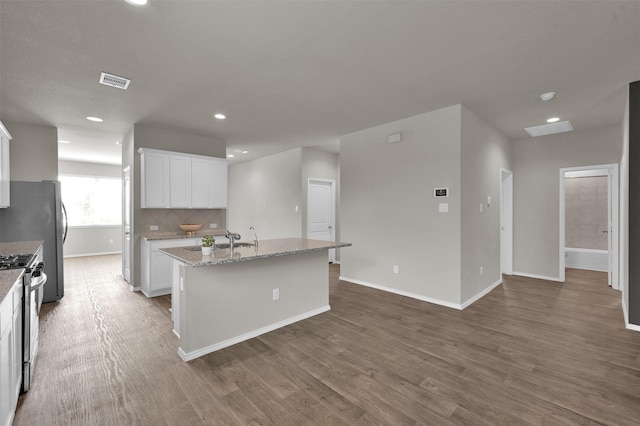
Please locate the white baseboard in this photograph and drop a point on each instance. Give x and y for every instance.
(155, 293)
(92, 254)
(132, 288)
(250, 335)
(481, 294)
(538, 277)
(403, 293)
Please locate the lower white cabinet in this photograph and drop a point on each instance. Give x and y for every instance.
(156, 266)
(10, 352)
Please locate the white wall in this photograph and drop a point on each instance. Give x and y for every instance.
(484, 152)
(536, 176)
(34, 152)
(388, 211)
(263, 193)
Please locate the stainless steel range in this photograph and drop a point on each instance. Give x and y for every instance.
(34, 279)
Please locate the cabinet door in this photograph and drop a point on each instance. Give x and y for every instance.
(201, 183)
(219, 188)
(155, 180)
(6, 362)
(4, 172)
(180, 178)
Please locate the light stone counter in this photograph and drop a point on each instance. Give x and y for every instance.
(266, 249)
(154, 235)
(9, 277)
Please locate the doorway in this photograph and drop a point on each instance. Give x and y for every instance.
(589, 220)
(506, 221)
(126, 224)
(321, 212)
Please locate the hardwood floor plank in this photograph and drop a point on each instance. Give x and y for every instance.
(531, 352)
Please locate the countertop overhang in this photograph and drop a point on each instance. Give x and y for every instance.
(266, 249)
(156, 235)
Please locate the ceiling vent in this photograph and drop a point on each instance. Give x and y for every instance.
(114, 81)
(549, 129)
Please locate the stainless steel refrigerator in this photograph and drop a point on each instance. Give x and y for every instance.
(37, 213)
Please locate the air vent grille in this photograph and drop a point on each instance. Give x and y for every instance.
(549, 129)
(114, 81)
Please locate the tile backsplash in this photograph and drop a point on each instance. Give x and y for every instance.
(167, 220)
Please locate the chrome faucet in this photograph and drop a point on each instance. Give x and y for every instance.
(255, 237)
(232, 238)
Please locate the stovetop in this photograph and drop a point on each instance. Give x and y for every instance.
(14, 261)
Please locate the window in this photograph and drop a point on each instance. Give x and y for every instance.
(92, 200)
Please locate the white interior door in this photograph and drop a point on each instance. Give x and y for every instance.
(126, 224)
(320, 212)
(506, 222)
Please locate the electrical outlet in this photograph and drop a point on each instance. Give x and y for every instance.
(276, 293)
(213, 225)
(396, 269)
(482, 270)
(153, 228)
(111, 241)
(481, 205)
(297, 208)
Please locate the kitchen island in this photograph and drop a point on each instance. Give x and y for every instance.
(235, 295)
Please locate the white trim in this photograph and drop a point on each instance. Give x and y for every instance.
(627, 325)
(538, 277)
(132, 288)
(160, 292)
(94, 226)
(250, 335)
(6, 132)
(504, 252)
(403, 293)
(587, 173)
(481, 294)
(92, 254)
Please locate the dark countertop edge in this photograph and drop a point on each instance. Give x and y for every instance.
(215, 261)
(26, 247)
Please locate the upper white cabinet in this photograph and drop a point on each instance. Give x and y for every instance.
(178, 180)
(5, 175)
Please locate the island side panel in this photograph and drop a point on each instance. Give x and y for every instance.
(225, 304)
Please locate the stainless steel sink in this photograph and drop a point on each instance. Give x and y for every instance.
(236, 245)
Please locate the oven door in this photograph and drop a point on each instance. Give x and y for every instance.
(31, 327)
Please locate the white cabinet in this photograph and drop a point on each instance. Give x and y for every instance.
(5, 167)
(10, 352)
(156, 266)
(177, 180)
(154, 173)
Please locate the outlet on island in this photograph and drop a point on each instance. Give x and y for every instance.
(213, 225)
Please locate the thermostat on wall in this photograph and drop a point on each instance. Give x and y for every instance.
(440, 192)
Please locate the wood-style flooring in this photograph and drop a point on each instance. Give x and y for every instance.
(529, 353)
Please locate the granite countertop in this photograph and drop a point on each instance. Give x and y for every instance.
(9, 277)
(155, 235)
(266, 249)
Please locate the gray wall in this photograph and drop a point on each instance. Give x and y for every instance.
(388, 211)
(93, 240)
(536, 182)
(34, 152)
(146, 136)
(263, 193)
(484, 152)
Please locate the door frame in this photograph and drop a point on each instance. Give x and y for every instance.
(332, 183)
(614, 220)
(126, 229)
(506, 221)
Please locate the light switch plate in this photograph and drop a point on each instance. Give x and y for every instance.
(153, 228)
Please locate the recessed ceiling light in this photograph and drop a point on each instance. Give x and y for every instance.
(220, 116)
(61, 141)
(547, 96)
(230, 155)
(553, 120)
(96, 119)
(137, 2)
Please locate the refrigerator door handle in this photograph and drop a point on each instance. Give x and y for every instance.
(66, 223)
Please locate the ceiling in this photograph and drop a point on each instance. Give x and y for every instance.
(303, 73)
